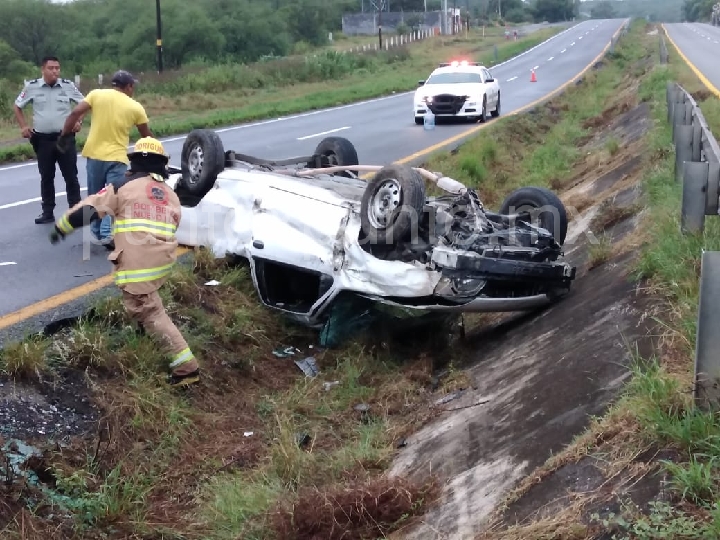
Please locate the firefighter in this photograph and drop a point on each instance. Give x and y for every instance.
(147, 214)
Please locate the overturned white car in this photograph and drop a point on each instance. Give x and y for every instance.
(313, 232)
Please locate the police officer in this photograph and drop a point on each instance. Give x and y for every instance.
(50, 97)
(147, 214)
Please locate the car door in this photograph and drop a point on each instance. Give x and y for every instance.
(491, 89)
(221, 221)
(296, 230)
(297, 247)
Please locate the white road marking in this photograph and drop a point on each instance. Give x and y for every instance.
(573, 43)
(561, 52)
(580, 37)
(512, 78)
(550, 59)
(323, 133)
(35, 199)
(535, 67)
(7, 263)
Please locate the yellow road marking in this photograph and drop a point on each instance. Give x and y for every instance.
(78, 292)
(695, 70)
(62, 298)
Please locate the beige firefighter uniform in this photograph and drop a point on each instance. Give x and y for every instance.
(147, 214)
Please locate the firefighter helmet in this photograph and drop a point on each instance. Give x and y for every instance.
(148, 146)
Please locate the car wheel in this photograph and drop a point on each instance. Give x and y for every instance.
(334, 151)
(201, 160)
(496, 112)
(539, 206)
(393, 201)
(419, 120)
(483, 111)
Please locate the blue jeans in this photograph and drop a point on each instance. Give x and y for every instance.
(99, 174)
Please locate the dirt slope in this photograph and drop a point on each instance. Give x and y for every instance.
(539, 377)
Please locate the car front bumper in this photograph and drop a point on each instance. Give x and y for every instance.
(448, 106)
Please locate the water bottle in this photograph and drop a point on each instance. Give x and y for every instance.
(429, 120)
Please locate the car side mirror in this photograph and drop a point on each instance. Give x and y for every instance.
(421, 83)
(490, 80)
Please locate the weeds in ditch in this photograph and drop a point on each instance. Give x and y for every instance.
(657, 405)
(259, 451)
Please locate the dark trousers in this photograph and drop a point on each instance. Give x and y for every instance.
(48, 155)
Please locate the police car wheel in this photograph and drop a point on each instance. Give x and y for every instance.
(201, 160)
(393, 201)
(334, 151)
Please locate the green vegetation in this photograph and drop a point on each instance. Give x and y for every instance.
(656, 414)
(259, 451)
(289, 85)
(698, 10)
(170, 466)
(654, 10)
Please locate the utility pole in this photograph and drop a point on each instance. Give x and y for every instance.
(158, 42)
(379, 6)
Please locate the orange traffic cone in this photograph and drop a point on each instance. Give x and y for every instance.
(533, 78)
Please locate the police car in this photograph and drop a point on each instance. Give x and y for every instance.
(458, 89)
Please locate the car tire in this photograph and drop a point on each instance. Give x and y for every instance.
(202, 159)
(335, 151)
(496, 112)
(419, 120)
(392, 204)
(528, 200)
(483, 111)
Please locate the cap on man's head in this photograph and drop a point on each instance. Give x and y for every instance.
(123, 78)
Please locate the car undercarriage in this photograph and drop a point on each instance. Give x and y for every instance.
(390, 241)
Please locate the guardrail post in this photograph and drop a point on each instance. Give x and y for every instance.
(694, 196)
(706, 391)
(683, 149)
(697, 139)
(713, 185)
(679, 117)
(672, 91)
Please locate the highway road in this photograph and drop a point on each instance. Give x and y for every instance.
(383, 130)
(700, 43)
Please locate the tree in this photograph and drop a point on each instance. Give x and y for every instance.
(603, 10)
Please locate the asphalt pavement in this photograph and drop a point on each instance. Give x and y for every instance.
(700, 43)
(383, 131)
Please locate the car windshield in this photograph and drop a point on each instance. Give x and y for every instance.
(455, 77)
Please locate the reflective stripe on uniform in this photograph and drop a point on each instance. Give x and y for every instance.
(181, 358)
(64, 225)
(123, 277)
(145, 225)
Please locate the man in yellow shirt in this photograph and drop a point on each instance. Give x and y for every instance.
(114, 113)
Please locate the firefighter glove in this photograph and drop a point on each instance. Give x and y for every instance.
(56, 235)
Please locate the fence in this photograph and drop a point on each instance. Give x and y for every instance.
(388, 42)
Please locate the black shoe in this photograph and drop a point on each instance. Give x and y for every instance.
(178, 381)
(44, 218)
(109, 244)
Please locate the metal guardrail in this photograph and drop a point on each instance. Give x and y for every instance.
(697, 159)
(697, 166)
(664, 56)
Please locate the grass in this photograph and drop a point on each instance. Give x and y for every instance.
(655, 414)
(260, 452)
(263, 452)
(290, 85)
